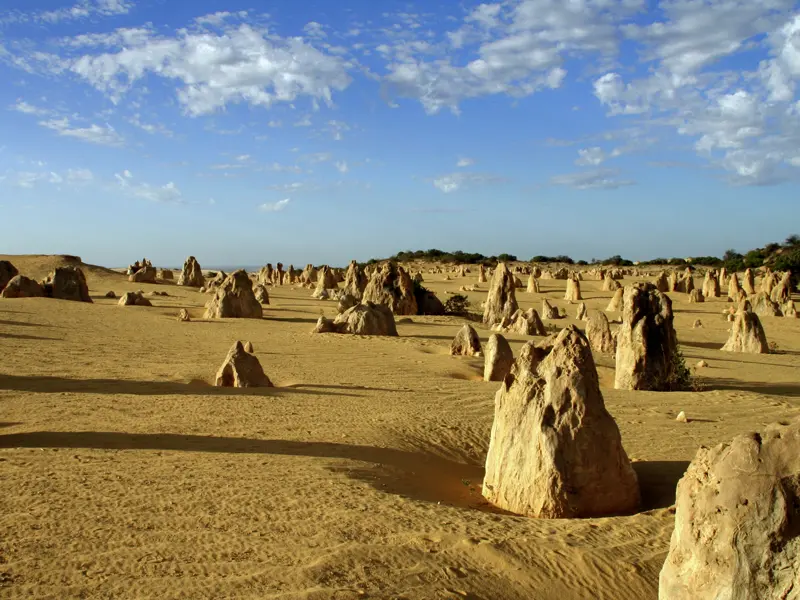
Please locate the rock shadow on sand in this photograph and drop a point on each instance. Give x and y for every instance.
(50, 385)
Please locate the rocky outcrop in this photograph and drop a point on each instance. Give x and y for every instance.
(615, 304)
(749, 282)
(67, 283)
(234, 299)
(533, 285)
(466, 342)
(241, 369)
(555, 451)
(711, 285)
(573, 293)
(549, 311)
(392, 287)
(737, 511)
(696, 296)
(763, 305)
(662, 282)
(598, 332)
(183, 316)
(367, 319)
(22, 287)
(782, 292)
(499, 358)
(526, 322)
(647, 346)
(326, 283)
(501, 301)
(7, 273)
(581, 314)
(144, 275)
(355, 281)
(261, 293)
(134, 299)
(191, 274)
(746, 335)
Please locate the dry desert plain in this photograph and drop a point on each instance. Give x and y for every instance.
(126, 474)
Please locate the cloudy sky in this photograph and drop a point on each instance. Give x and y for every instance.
(329, 130)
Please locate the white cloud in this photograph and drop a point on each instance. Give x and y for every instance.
(342, 166)
(304, 122)
(168, 192)
(591, 156)
(274, 206)
(29, 109)
(241, 63)
(465, 162)
(454, 182)
(94, 134)
(275, 124)
(243, 157)
(71, 177)
(150, 128)
(81, 10)
(605, 179)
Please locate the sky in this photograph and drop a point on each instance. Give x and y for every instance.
(253, 132)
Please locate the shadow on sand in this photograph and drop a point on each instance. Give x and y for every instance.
(758, 387)
(657, 481)
(51, 385)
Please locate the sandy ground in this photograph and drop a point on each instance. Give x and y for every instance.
(126, 475)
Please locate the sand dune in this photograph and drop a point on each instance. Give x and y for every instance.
(126, 474)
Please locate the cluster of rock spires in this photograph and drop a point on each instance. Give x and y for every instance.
(64, 283)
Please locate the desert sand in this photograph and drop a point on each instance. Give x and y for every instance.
(125, 474)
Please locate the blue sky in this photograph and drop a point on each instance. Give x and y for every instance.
(246, 133)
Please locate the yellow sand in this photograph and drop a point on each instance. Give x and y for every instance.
(126, 475)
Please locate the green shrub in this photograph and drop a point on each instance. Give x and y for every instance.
(457, 304)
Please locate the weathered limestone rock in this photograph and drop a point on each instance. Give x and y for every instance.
(763, 306)
(647, 346)
(749, 282)
(67, 283)
(355, 280)
(346, 301)
(549, 311)
(526, 323)
(662, 282)
(248, 347)
(555, 451)
(736, 513)
(711, 285)
(789, 310)
(266, 275)
(533, 285)
(241, 369)
(392, 287)
(501, 301)
(733, 288)
(697, 324)
(615, 304)
(326, 283)
(183, 315)
(499, 358)
(309, 275)
(429, 304)
(367, 319)
(325, 326)
(782, 292)
(234, 299)
(144, 275)
(466, 342)
(581, 314)
(7, 273)
(610, 284)
(166, 275)
(598, 332)
(573, 293)
(261, 293)
(747, 335)
(191, 274)
(481, 274)
(134, 299)
(768, 282)
(22, 287)
(696, 296)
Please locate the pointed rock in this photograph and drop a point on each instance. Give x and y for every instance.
(763, 306)
(466, 342)
(499, 358)
(20, 286)
(747, 335)
(615, 305)
(191, 274)
(234, 299)
(501, 301)
(581, 314)
(367, 319)
(598, 332)
(241, 369)
(549, 311)
(748, 282)
(573, 293)
(555, 451)
(696, 296)
(392, 287)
